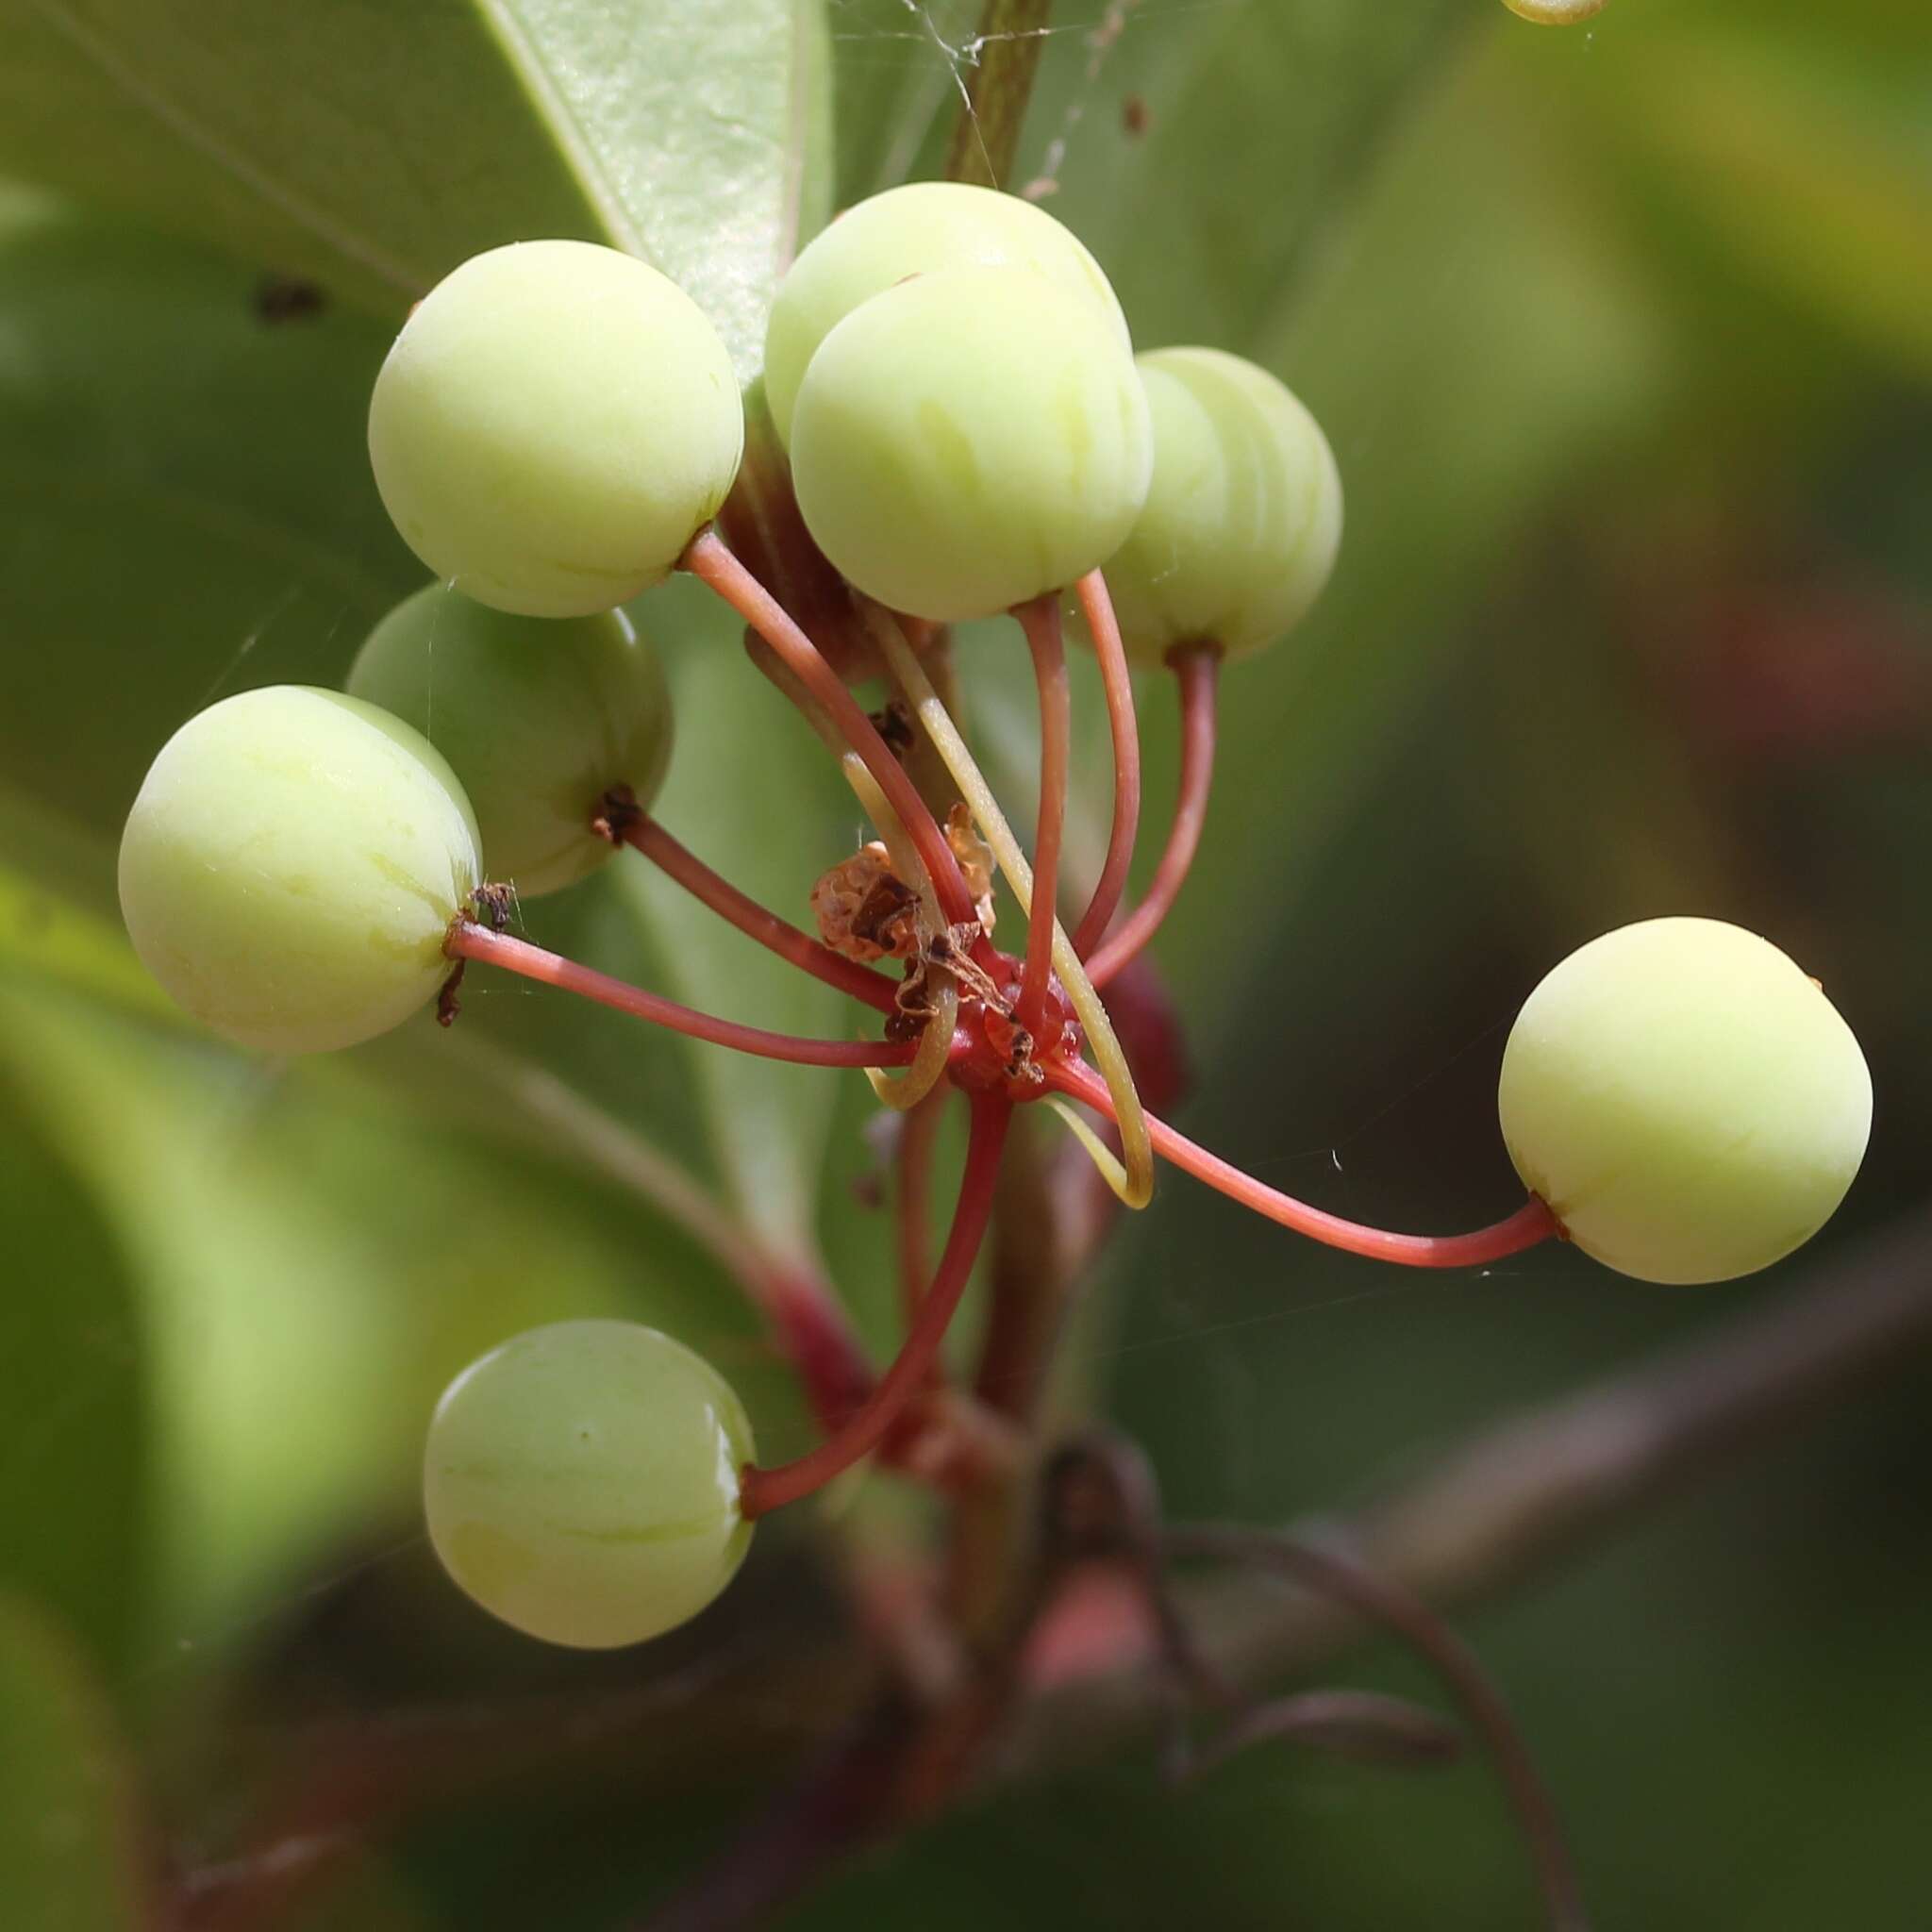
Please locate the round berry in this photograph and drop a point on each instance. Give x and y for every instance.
(1554, 12)
(553, 426)
(968, 440)
(581, 1483)
(538, 717)
(909, 231)
(1686, 1102)
(292, 865)
(1243, 517)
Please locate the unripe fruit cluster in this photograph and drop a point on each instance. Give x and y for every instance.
(968, 429)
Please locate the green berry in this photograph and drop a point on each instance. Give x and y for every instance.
(540, 717)
(292, 866)
(1686, 1102)
(968, 440)
(908, 231)
(1554, 12)
(581, 1483)
(553, 426)
(1243, 517)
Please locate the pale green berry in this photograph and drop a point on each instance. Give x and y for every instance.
(1554, 12)
(581, 1483)
(1243, 515)
(553, 426)
(538, 717)
(968, 440)
(908, 231)
(292, 865)
(1686, 1102)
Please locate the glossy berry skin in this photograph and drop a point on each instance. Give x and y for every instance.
(581, 1483)
(1686, 1102)
(913, 230)
(968, 440)
(1243, 515)
(538, 717)
(292, 865)
(553, 426)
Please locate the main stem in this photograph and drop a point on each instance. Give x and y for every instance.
(714, 566)
(1104, 628)
(1040, 620)
(1531, 1224)
(1198, 670)
(765, 1490)
(1008, 47)
(467, 940)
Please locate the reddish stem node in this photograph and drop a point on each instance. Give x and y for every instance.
(765, 1490)
(713, 565)
(1097, 607)
(678, 862)
(1040, 620)
(471, 942)
(1531, 1224)
(1198, 668)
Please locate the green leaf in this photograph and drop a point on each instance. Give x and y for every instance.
(375, 148)
(1258, 123)
(69, 1850)
(187, 505)
(72, 1388)
(1799, 155)
(754, 792)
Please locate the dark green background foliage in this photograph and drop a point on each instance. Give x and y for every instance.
(1624, 338)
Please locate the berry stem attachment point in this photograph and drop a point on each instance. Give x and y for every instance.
(467, 940)
(1198, 669)
(1135, 1182)
(765, 1490)
(1104, 628)
(1530, 1225)
(1041, 620)
(644, 834)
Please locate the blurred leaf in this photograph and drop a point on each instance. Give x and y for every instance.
(754, 792)
(188, 507)
(1459, 384)
(73, 1390)
(895, 87)
(686, 131)
(1260, 122)
(311, 1269)
(1799, 154)
(69, 1853)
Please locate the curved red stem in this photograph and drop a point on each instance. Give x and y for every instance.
(765, 1490)
(679, 862)
(1040, 620)
(713, 565)
(1105, 630)
(1532, 1223)
(1198, 668)
(471, 942)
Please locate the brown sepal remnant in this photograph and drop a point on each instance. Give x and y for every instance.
(865, 910)
(618, 810)
(447, 1004)
(495, 904)
(976, 862)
